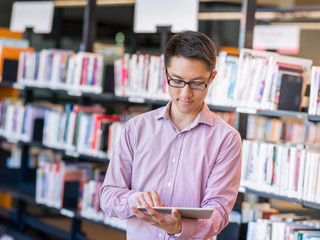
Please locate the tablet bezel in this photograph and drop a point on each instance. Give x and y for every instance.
(186, 212)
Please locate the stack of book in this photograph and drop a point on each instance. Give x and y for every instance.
(62, 69)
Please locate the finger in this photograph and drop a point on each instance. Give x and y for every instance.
(140, 199)
(148, 198)
(175, 213)
(140, 214)
(156, 199)
(137, 201)
(151, 211)
(143, 216)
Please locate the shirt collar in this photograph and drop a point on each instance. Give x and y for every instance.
(204, 115)
(164, 112)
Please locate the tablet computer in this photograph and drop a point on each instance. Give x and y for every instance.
(186, 212)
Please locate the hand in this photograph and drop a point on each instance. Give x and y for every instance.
(171, 223)
(151, 197)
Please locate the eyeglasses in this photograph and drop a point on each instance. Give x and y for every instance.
(176, 83)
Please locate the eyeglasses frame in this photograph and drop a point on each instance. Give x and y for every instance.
(187, 83)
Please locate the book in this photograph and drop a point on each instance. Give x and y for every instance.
(74, 120)
(290, 100)
(101, 132)
(314, 91)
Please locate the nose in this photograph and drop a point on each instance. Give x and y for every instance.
(186, 91)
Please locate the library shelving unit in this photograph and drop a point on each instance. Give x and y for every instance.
(22, 181)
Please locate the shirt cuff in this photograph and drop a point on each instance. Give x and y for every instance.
(174, 236)
(131, 199)
(188, 228)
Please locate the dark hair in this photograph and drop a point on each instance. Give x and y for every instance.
(190, 44)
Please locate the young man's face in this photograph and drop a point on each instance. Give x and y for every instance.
(188, 101)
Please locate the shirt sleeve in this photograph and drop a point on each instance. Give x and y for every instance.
(115, 193)
(221, 192)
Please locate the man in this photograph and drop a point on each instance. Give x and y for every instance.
(181, 155)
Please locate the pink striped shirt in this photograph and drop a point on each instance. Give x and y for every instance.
(197, 167)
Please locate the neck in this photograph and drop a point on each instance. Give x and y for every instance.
(182, 120)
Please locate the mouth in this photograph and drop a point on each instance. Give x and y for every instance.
(186, 102)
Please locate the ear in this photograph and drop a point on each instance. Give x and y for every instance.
(164, 71)
(214, 74)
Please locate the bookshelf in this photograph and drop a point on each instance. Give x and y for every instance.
(142, 101)
(269, 195)
(311, 205)
(73, 215)
(25, 175)
(314, 118)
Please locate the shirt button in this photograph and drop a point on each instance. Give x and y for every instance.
(169, 184)
(179, 135)
(173, 160)
(160, 235)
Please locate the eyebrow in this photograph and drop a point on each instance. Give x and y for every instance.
(177, 76)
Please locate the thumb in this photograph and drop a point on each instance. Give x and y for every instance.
(175, 213)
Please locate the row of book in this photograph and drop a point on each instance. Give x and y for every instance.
(11, 153)
(267, 223)
(140, 75)
(253, 211)
(228, 117)
(271, 230)
(74, 128)
(255, 79)
(61, 69)
(314, 106)
(260, 80)
(82, 129)
(67, 185)
(282, 169)
(295, 131)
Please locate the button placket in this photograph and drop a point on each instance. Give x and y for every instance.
(172, 168)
